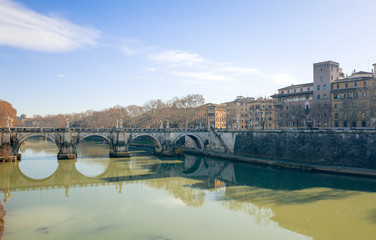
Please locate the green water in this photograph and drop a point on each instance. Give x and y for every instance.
(146, 197)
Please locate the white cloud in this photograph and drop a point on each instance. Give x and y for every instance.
(60, 75)
(21, 27)
(242, 70)
(203, 76)
(176, 57)
(282, 79)
(152, 69)
(127, 50)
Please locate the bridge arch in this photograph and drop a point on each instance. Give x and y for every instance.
(196, 139)
(82, 137)
(155, 140)
(33, 135)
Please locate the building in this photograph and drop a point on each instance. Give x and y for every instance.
(214, 116)
(262, 114)
(324, 73)
(308, 105)
(247, 113)
(238, 113)
(353, 101)
(292, 105)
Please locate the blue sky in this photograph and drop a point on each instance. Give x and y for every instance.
(67, 56)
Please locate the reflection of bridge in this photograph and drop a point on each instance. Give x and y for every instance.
(67, 176)
(165, 140)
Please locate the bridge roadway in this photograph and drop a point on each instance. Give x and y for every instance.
(165, 140)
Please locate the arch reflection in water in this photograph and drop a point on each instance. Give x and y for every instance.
(39, 157)
(92, 159)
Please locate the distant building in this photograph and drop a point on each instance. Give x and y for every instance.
(262, 114)
(324, 73)
(309, 104)
(246, 113)
(214, 116)
(237, 113)
(353, 101)
(292, 105)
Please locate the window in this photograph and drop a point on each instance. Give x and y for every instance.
(321, 78)
(324, 87)
(345, 105)
(364, 83)
(318, 115)
(319, 124)
(337, 85)
(364, 94)
(363, 123)
(318, 105)
(287, 107)
(307, 97)
(355, 84)
(318, 87)
(336, 96)
(336, 115)
(325, 97)
(355, 95)
(346, 85)
(345, 124)
(324, 114)
(363, 114)
(301, 89)
(318, 96)
(353, 124)
(354, 105)
(336, 105)
(336, 124)
(300, 98)
(331, 77)
(364, 105)
(354, 114)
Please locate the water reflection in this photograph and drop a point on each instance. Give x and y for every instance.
(273, 204)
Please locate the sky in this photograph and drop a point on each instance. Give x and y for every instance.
(66, 56)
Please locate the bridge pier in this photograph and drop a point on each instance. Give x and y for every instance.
(119, 147)
(67, 146)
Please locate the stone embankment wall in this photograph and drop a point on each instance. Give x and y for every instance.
(349, 149)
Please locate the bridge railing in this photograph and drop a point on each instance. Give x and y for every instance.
(49, 129)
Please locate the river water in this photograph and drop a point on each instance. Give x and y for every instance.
(146, 197)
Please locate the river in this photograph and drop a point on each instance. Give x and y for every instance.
(189, 197)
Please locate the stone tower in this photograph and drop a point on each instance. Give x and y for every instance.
(324, 73)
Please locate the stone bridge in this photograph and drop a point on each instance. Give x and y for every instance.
(165, 140)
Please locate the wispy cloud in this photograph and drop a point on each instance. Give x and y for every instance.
(202, 76)
(241, 70)
(152, 69)
(127, 50)
(22, 27)
(176, 57)
(281, 79)
(60, 75)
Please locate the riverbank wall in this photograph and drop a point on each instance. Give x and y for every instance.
(347, 152)
(354, 149)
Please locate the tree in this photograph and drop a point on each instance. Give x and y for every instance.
(7, 110)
